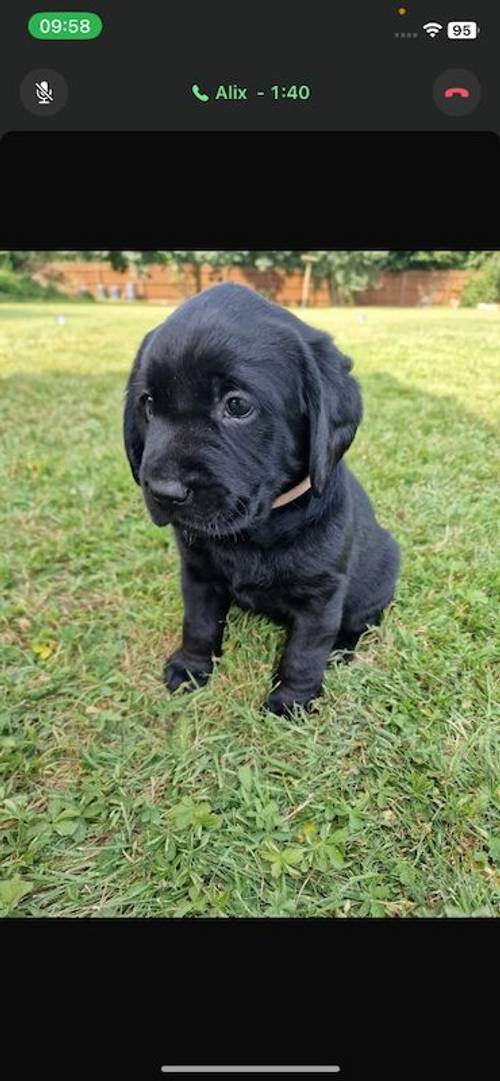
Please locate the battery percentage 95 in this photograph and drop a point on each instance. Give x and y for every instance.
(462, 31)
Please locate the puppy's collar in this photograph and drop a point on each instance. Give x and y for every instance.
(293, 493)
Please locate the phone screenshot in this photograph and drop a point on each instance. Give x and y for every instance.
(249, 755)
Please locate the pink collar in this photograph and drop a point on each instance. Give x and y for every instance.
(293, 493)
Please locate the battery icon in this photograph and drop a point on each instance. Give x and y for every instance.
(463, 31)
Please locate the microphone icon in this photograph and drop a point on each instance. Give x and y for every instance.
(44, 92)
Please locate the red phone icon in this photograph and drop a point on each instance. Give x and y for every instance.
(460, 90)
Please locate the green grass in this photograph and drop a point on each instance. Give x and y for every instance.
(116, 799)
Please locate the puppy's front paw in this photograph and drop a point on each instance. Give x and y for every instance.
(284, 700)
(179, 670)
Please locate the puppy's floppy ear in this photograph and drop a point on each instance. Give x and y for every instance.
(334, 406)
(134, 443)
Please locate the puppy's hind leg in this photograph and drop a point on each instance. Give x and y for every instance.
(344, 646)
(347, 639)
(311, 633)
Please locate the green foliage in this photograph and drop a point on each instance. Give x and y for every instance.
(264, 260)
(189, 814)
(358, 263)
(119, 260)
(11, 892)
(18, 286)
(428, 260)
(27, 262)
(477, 259)
(484, 287)
(349, 272)
(481, 289)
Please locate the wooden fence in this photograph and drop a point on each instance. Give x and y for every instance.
(413, 288)
(170, 285)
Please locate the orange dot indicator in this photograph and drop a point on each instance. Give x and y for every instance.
(402, 11)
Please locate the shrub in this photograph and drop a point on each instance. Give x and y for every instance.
(484, 287)
(431, 260)
(15, 286)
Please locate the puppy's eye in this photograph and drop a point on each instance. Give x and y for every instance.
(148, 406)
(237, 407)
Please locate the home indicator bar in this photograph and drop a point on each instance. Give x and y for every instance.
(250, 1069)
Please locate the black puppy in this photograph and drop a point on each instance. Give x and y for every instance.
(237, 416)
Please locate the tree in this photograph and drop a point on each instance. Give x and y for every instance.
(26, 262)
(431, 260)
(483, 287)
(349, 272)
(196, 260)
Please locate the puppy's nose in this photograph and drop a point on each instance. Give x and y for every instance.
(169, 491)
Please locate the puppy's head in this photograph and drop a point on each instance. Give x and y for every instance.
(231, 401)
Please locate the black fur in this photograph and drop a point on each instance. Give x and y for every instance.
(321, 565)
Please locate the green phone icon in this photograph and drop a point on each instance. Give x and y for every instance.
(199, 93)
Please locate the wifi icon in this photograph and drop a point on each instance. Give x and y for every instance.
(432, 29)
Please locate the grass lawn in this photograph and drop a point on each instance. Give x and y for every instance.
(116, 799)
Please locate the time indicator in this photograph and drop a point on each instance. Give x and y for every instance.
(65, 25)
(293, 92)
